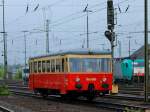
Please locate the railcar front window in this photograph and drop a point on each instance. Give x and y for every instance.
(90, 65)
(75, 65)
(138, 64)
(105, 65)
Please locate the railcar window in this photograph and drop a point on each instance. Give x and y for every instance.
(100, 65)
(126, 65)
(62, 65)
(30, 67)
(58, 65)
(43, 66)
(75, 65)
(53, 65)
(105, 65)
(39, 66)
(89, 65)
(48, 66)
(66, 65)
(35, 67)
(138, 64)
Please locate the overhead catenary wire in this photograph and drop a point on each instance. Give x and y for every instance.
(62, 31)
(56, 3)
(22, 16)
(80, 16)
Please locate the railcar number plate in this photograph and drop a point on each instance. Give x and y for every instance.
(90, 79)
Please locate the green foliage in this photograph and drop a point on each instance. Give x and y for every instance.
(4, 90)
(1, 72)
(18, 75)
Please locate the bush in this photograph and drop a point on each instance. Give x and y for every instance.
(4, 90)
(18, 75)
(1, 72)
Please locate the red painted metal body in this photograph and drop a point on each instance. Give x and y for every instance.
(66, 82)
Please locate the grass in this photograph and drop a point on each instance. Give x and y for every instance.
(4, 91)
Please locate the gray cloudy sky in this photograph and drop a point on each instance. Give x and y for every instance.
(67, 24)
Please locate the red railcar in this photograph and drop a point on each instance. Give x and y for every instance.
(76, 73)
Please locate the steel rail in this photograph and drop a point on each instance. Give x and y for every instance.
(4, 109)
(133, 95)
(100, 103)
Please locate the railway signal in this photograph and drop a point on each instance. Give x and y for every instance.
(110, 15)
(110, 35)
(110, 22)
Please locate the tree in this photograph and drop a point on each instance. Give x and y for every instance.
(1, 72)
(18, 75)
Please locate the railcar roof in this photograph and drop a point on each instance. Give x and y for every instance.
(77, 52)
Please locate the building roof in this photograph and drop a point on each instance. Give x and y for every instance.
(139, 54)
(81, 51)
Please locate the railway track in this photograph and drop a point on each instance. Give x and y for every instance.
(134, 86)
(4, 109)
(129, 91)
(11, 82)
(123, 89)
(132, 92)
(122, 95)
(132, 89)
(114, 104)
(106, 103)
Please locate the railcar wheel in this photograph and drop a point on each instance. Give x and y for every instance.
(44, 94)
(64, 97)
(36, 92)
(102, 94)
(90, 97)
(69, 97)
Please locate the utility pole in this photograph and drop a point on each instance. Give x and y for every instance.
(129, 37)
(5, 43)
(119, 43)
(87, 13)
(47, 36)
(25, 52)
(146, 78)
(46, 30)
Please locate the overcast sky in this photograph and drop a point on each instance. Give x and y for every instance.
(68, 26)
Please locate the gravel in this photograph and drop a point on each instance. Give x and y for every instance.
(28, 104)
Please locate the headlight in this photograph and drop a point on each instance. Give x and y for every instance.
(104, 79)
(77, 80)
